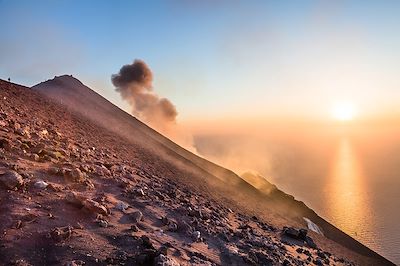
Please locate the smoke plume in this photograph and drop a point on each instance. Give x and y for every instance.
(135, 84)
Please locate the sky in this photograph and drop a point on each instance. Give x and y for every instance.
(216, 59)
(228, 66)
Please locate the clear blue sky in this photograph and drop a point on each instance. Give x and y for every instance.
(215, 58)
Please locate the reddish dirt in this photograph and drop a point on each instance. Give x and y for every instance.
(186, 218)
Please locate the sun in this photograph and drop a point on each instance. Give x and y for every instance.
(343, 111)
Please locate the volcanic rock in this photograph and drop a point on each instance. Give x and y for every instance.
(61, 233)
(163, 260)
(196, 236)
(146, 242)
(5, 143)
(11, 179)
(74, 175)
(75, 199)
(136, 216)
(40, 184)
(122, 206)
(75, 263)
(294, 233)
(95, 207)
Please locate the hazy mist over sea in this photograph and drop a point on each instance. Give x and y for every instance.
(349, 175)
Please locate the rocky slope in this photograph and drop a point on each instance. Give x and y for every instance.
(98, 187)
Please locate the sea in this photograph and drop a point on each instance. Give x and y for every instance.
(349, 175)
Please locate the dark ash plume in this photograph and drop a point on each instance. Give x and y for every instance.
(134, 83)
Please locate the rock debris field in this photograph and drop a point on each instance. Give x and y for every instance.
(72, 193)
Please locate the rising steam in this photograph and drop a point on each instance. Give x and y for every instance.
(135, 84)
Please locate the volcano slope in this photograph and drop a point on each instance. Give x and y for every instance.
(95, 186)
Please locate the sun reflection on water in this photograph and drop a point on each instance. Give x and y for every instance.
(347, 201)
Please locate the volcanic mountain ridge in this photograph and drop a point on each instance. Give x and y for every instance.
(83, 182)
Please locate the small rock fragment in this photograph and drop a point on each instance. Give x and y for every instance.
(196, 236)
(18, 224)
(103, 223)
(140, 192)
(35, 157)
(40, 184)
(173, 227)
(134, 228)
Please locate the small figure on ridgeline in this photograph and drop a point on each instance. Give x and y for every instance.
(9, 80)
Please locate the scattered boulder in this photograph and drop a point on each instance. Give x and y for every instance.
(299, 250)
(95, 207)
(136, 216)
(91, 205)
(310, 242)
(55, 155)
(43, 133)
(146, 257)
(196, 236)
(75, 263)
(55, 187)
(61, 233)
(146, 242)
(184, 227)
(24, 147)
(294, 233)
(54, 170)
(173, 227)
(11, 179)
(119, 257)
(22, 131)
(74, 175)
(88, 184)
(163, 260)
(165, 220)
(40, 184)
(101, 170)
(102, 223)
(20, 262)
(18, 224)
(5, 143)
(318, 262)
(139, 192)
(34, 157)
(74, 199)
(299, 234)
(122, 206)
(164, 249)
(134, 228)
